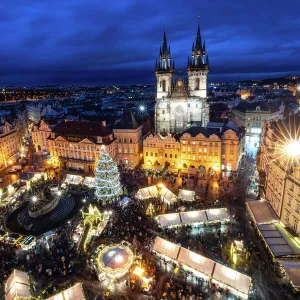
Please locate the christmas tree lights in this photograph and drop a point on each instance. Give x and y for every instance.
(107, 179)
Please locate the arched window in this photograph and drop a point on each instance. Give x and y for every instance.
(163, 85)
(163, 112)
(197, 83)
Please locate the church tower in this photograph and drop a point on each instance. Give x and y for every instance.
(197, 68)
(164, 70)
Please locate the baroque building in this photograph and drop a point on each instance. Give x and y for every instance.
(179, 104)
(280, 180)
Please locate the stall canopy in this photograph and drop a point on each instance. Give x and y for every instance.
(186, 195)
(292, 269)
(89, 181)
(261, 212)
(196, 261)
(232, 278)
(147, 192)
(217, 214)
(167, 196)
(166, 248)
(196, 216)
(169, 219)
(17, 285)
(73, 293)
(279, 241)
(75, 179)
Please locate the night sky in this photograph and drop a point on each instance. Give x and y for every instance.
(116, 42)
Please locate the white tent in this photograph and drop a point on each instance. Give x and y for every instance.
(89, 181)
(166, 248)
(169, 219)
(147, 192)
(196, 261)
(196, 216)
(75, 179)
(167, 195)
(17, 285)
(186, 195)
(217, 214)
(232, 278)
(73, 293)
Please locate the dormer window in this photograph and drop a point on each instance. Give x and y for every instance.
(257, 108)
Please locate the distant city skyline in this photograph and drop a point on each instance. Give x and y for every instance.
(107, 43)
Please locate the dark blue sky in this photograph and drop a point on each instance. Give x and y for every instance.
(116, 42)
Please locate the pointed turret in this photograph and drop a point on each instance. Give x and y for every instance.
(204, 48)
(188, 63)
(207, 62)
(198, 46)
(165, 44)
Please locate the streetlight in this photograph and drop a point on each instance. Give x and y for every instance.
(293, 148)
(34, 198)
(83, 200)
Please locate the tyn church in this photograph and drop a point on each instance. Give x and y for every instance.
(180, 104)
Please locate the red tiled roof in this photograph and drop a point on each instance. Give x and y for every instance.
(83, 128)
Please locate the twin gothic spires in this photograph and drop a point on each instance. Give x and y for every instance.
(198, 61)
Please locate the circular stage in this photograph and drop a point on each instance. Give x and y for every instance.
(115, 260)
(45, 208)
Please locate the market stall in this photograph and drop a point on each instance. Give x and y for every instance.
(89, 181)
(147, 192)
(292, 271)
(17, 286)
(73, 293)
(197, 262)
(186, 195)
(167, 196)
(74, 179)
(261, 212)
(192, 217)
(238, 283)
(217, 214)
(166, 248)
(167, 220)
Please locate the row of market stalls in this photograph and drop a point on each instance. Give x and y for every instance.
(165, 194)
(76, 179)
(282, 245)
(236, 282)
(196, 217)
(17, 287)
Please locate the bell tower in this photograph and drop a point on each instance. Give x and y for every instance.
(197, 68)
(164, 70)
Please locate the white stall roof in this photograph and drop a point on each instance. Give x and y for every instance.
(17, 285)
(166, 248)
(196, 216)
(196, 261)
(186, 195)
(279, 240)
(261, 212)
(73, 179)
(167, 195)
(169, 219)
(73, 293)
(292, 268)
(147, 192)
(89, 181)
(217, 214)
(232, 278)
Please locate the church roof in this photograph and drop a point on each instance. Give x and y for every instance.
(127, 121)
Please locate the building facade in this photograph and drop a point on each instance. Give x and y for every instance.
(279, 177)
(180, 104)
(197, 147)
(252, 116)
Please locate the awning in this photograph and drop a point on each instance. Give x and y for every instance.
(17, 285)
(196, 261)
(196, 216)
(75, 179)
(169, 219)
(73, 293)
(232, 278)
(261, 212)
(166, 248)
(167, 196)
(186, 195)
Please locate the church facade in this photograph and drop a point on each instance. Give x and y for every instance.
(180, 104)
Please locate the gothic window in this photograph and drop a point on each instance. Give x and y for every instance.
(163, 85)
(197, 83)
(130, 140)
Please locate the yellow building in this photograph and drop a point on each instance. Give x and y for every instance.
(279, 179)
(209, 148)
(10, 142)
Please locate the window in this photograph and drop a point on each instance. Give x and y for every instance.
(163, 112)
(175, 155)
(197, 83)
(189, 148)
(183, 149)
(156, 155)
(151, 154)
(205, 150)
(163, 83)
(287, 216)
(292, 186)
(171, 155)
(290, 201)
(295, 224)
(298, 207)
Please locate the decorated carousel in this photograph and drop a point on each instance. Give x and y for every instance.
(115, 261)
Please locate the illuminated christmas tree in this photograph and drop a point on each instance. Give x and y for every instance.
(107, 179)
